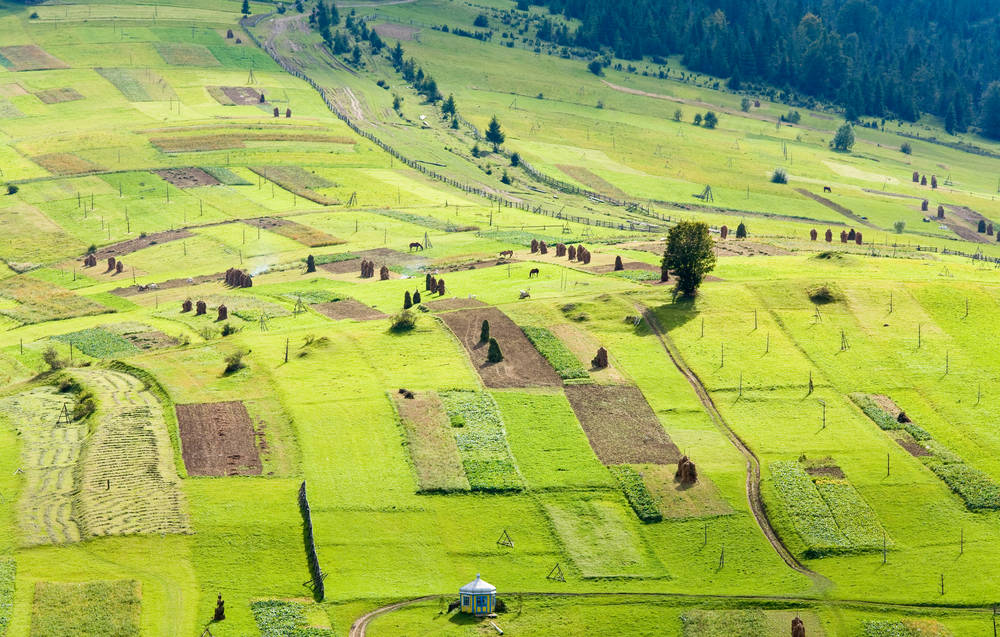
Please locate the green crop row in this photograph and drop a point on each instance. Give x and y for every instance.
(8, 568)
(98, 343)
(482, 441)
(810, 514)
(226, 176)
(906, 628)
(276, 618)
(972, 485)
(636, 493)
(853, 516)
(885, 420)
(334, 258)
(566, 364)
(706, 623)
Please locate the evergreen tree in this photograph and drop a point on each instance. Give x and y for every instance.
(334, 14)
(949, 120)
(495, 134)
(356, 55)
(689, 255)
(448, 108)
(246, 8)
(397, 57)
(990, 118)
(484, 333)
(493, 354)
(375, 41)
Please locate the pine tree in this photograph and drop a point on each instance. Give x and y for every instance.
(494, 355)
(990, 118)
(397, 57)
(495, 134)
(484, 334)
(949, 120)
(246, 8)
(448, 107)
(334, 14)
(407, 301)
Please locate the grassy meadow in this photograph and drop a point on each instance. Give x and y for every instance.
(145, 134)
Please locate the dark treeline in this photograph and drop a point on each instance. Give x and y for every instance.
(879, 58)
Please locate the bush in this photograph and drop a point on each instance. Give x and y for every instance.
(403, 322)
(779, 176)
(228, 329)
(84, 406)
(906, 148)
(234, 362)
(505, 179)
(515, 160)
(596, 68)
(822, 295)
(636, 493)
(51, 358)
(12, 189)
(899, 226)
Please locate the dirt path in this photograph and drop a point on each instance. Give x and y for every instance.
(360, 625)
(837, 208)
(753, 464)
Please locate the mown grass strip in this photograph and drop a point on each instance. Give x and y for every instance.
(87, 609)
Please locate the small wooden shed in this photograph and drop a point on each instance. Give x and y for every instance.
(478, 597)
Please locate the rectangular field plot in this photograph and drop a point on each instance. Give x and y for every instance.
(58, 95)
(746, 623)
(431, 443)
(522, 365)
(305, 235)
(139, 85)
(65, 164)
(185, 54)
(234, 95)
(620, 425)
(602, 538)
(828, 514)
(281, 617)
(566, 364)
(39, 301)
(87, 609)
(99, 343)
(348, 309)
(29, 58)
(297, 180)
(673, 501)
(217, 439)
(187, 177)
(127, 480)
(482, 441)
(50, 451)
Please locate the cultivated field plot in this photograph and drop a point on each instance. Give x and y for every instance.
(747, 623)
(827, 512)
(603, 539)
(431, 443)
(66, 164)
(87, 609)
(129, 246)
(677, 502)
(185, 54)
(229, 141)
(99, 343)
(139, 85)
(348, 309)
(522, 365)
(235, 95)
(29, 58)
(482, 441)
(304, 234)
(127, 480)
(58, 95)
(290, 618)
(8, 570)
(187, 177)
(620, 425)
(39, 301)
(456, 303)
(299, 181)
(566, 364)
(217, 439)
(134, 290)
(142, 336)
(50, 451)
(349, 263)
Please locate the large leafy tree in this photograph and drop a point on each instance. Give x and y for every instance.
(844, 139)
(689, 255)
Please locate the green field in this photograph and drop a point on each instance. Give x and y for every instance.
(796, 361)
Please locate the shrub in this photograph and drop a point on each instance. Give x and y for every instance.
(51, 358)
(84, 406)
(12, 189)
(407, 300)
(234, 362)
(505, 179)
(636, 493)
(403, 322)
(779, 176)
(905, 148)
(899, 226)
(596, 68)
(515, 160)
(228, 329)
(822, 295)
(494, 355)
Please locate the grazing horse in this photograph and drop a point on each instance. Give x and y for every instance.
(827, 189)
(507, 254)
(533, 273)
(415, 245)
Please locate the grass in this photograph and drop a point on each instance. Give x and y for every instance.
(566, 364)
(8, 569)
(705, 623)
(431, 444)
(38, 301)
(636, 493)
(88, 609)
(277, 618)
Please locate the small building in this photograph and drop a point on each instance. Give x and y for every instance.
(478, 597)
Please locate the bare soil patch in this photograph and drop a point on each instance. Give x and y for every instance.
(445, 305)
(187, 177)
(627, 265)
(826, 472)
(381, 256)
(30, 58)
(134, 290)
(304, 234)
(58, 95)
(470, 265)
(970, 217)
(836, 207)
(65, 164)
(887, 404)
(748, 249)
(522, 365)
(910, 444)
(348, 309)
(620, 425)
(591, 180)
(12, 89)
(396, 31)
(237, 95)
(139, 243)
(217, 439)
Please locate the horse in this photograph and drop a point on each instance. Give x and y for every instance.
(416, 245)
(827, 189)
(507, 254)
(534, 272)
